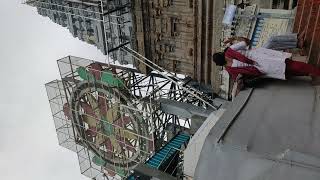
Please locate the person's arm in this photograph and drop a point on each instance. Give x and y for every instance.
(246, 40)
(239, 46)
(233, 39)
(237, 86)
(234, 72)
(233, 54)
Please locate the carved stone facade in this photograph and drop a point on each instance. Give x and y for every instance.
(104, 23)
(77, 17)
(176, 35)
(165, 33)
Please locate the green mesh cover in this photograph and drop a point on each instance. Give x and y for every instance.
(107, 77)
(98, 161)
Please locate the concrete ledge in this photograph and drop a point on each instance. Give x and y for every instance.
(153, 173)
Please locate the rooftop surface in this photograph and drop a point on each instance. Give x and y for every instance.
(270, 132)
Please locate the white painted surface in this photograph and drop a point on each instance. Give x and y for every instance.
(192, 153)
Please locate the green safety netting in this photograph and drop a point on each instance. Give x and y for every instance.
(106, 77)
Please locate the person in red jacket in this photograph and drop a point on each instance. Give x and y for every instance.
(261, 62)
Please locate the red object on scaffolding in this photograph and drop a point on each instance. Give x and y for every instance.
(316, 1)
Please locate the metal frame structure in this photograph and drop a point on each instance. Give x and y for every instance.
(111, 115)
(116, 17)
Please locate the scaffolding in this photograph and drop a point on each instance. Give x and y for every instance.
(111, 115)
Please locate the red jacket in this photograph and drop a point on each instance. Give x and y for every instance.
(235, 71)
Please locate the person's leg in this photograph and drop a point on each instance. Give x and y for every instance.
(301, 38)
(296, 68)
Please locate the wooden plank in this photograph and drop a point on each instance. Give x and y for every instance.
(199, 41)
(305, 10)
(314, 47)
(298, 15)
(311, 27)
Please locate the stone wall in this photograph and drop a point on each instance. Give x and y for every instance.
(165, 33)
(180, 36)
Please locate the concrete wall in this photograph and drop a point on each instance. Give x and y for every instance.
(269, 133)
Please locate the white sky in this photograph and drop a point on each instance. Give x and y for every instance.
(30, 46)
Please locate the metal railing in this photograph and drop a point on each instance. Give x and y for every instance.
(194, 92)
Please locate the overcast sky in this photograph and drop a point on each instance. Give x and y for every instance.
(30, 45)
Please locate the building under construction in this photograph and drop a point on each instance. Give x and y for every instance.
(149, 122)
(179, 36)
(176, 35)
